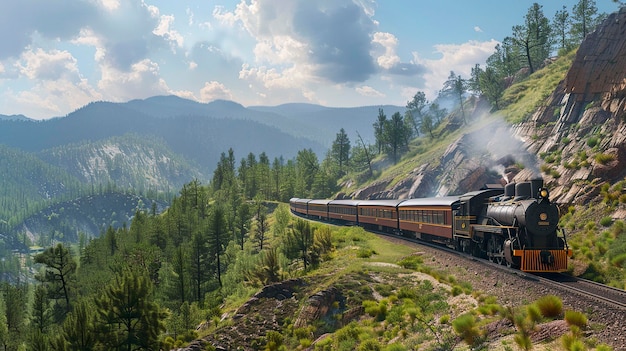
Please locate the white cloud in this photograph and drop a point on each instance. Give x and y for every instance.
(478, 29)
(51, 65)
(110, 5)
(214, 90)
(164, 30)
(369, 91)
(389, 42)
(142, 81)
(458, 58)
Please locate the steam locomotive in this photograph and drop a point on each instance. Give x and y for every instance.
(515, 225)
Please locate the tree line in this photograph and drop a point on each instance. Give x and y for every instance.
(531, 44)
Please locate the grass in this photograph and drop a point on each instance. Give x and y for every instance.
(523, 98)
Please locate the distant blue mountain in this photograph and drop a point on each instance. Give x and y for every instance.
(14, 118)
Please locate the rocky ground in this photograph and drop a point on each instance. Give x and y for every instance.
(607, 325)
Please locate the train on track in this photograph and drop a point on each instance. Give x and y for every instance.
(515, 225)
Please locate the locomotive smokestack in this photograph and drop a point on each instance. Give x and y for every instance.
(509, 191)
(522, 190)
(535, 185)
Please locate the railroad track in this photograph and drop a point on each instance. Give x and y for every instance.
(614, 297)
(605, 294)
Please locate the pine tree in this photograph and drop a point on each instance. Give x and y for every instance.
(79, 329)
(59, 276)
(340, 150)
(127, 318)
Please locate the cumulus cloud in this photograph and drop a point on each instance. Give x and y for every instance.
(142, 81)
(478, 29)
(389, 42)
(369, 91)
(213, 91)
(327, 40)
(164, 30)
(50, 65)
(459, 58)
(338, 40)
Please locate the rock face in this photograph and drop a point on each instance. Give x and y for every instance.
(580, 133)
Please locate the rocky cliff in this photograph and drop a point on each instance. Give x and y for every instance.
(580, 132)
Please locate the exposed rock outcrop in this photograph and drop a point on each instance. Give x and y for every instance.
(580, 132)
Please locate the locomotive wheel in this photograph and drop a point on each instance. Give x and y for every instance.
(495, 250)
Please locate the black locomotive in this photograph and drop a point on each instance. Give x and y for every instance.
(515, 225)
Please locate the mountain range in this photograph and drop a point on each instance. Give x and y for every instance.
(154, 146)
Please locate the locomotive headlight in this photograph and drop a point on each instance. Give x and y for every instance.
(543, 193)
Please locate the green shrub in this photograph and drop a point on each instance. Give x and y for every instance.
(274, 340)
(376, 309)
(465, 327)
(369, 345)
(411, 262)
(604, 158)
(445, 319)
(534, 313)
(456, 290)
(364, 253)
(619, 260)
(384, 289)
(395, 347)
(606, 221)
(592, 141)
(550, 306)
(575, 318)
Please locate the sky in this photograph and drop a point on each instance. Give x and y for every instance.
(59, 55)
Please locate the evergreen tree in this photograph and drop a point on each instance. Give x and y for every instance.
(340, 150)
(78, 331)
(200, 267)
(127, 318)
(560, 29)
(455, 87)
(59, 276)
(299, 242)
(307, 166)
(261, 225)
(41, 316)
(244, 216)
(217, 238)
(415, 111)
(584, 19)
(506, 61)
(533, 38)
(396, 136)
(180, 267)
(15, 298)
(379, 130)
(493, 86)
